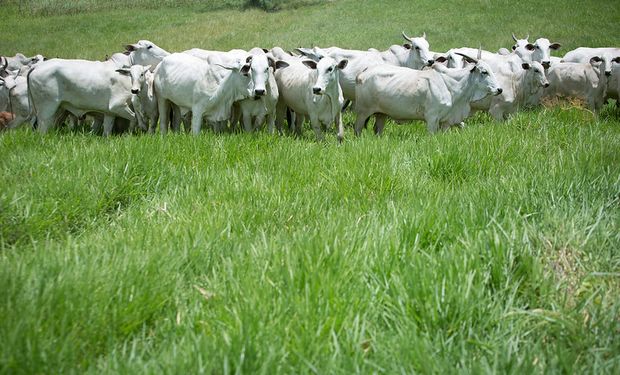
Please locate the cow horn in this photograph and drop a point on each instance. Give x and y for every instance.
(527, 37)
(480, 52)
(424, 35)
(514, 37)
(406, 37)
(4, 62)
(467, 58)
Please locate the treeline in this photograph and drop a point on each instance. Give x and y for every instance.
(58, 7)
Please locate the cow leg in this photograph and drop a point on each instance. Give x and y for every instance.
(247, 122)
(299, 124)
(108, 125)
(316, 126)
(17, 121)
(196, 121)
(164, 115)
(280, 116)
(340, 127)
(379, 123)
(432, 124)
(258, 122)
(97, 127)
(360, 122)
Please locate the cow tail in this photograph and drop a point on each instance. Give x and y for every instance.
(32, 116)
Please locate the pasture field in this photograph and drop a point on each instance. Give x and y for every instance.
(492, 249)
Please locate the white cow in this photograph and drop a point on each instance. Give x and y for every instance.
(143, 99)
(78, 86)
(539, 51)
(415, 54)
(611, 59)
(143, 52)
(523, 89)
(439, 96)
(311, 89)
(585, 54)
(17, 62)
(205, 89)
(522, 86)
(585, 81)
(262, 107)
(14, 99)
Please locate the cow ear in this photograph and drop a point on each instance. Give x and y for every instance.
(525, 66)
(441, 59)
(130, 47)
(309, 63)
(245, 69)
(595, 59)
(616, 60)
(265, 50)
(271, 62)
(342, 64)
(248, 60)
(407, 45)
(281, 64)
(124, 72)
(473, 69)
(530, 47)
(555, 46)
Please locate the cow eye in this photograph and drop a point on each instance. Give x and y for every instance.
(514, 48)
(149, 47)
(484, 72)
(417, 48)
(330, 69)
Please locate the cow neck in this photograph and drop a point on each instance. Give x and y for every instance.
(226, 92)
(459, 84)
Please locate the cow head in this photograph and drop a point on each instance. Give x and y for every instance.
(539, 51)
(608, 61)
(597, 62)
(259, 73)
(484, 80)
(537, 72)
(419, 53)
(145, 53)
(327, 73)
(138, 76)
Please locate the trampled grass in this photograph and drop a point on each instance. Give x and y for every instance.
(487, 249)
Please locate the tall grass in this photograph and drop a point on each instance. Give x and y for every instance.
(492, 249)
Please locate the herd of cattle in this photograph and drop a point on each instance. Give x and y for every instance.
(145, 85)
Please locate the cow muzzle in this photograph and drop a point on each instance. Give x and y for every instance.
(498, 91)
(546, 84)
(259, 92)
(608, 73)
(546, 64)
(135, 91)
(317, 90)
(430, 62)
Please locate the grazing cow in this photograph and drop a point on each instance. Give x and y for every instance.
(205, 89)
(143, 99)
(78, 86)
(311, 89)
(415, 54)
(439, 96)
(14, 98)
(585, 81)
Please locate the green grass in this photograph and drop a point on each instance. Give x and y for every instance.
(490, 249)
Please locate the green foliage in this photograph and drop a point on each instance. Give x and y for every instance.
(491, 249)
